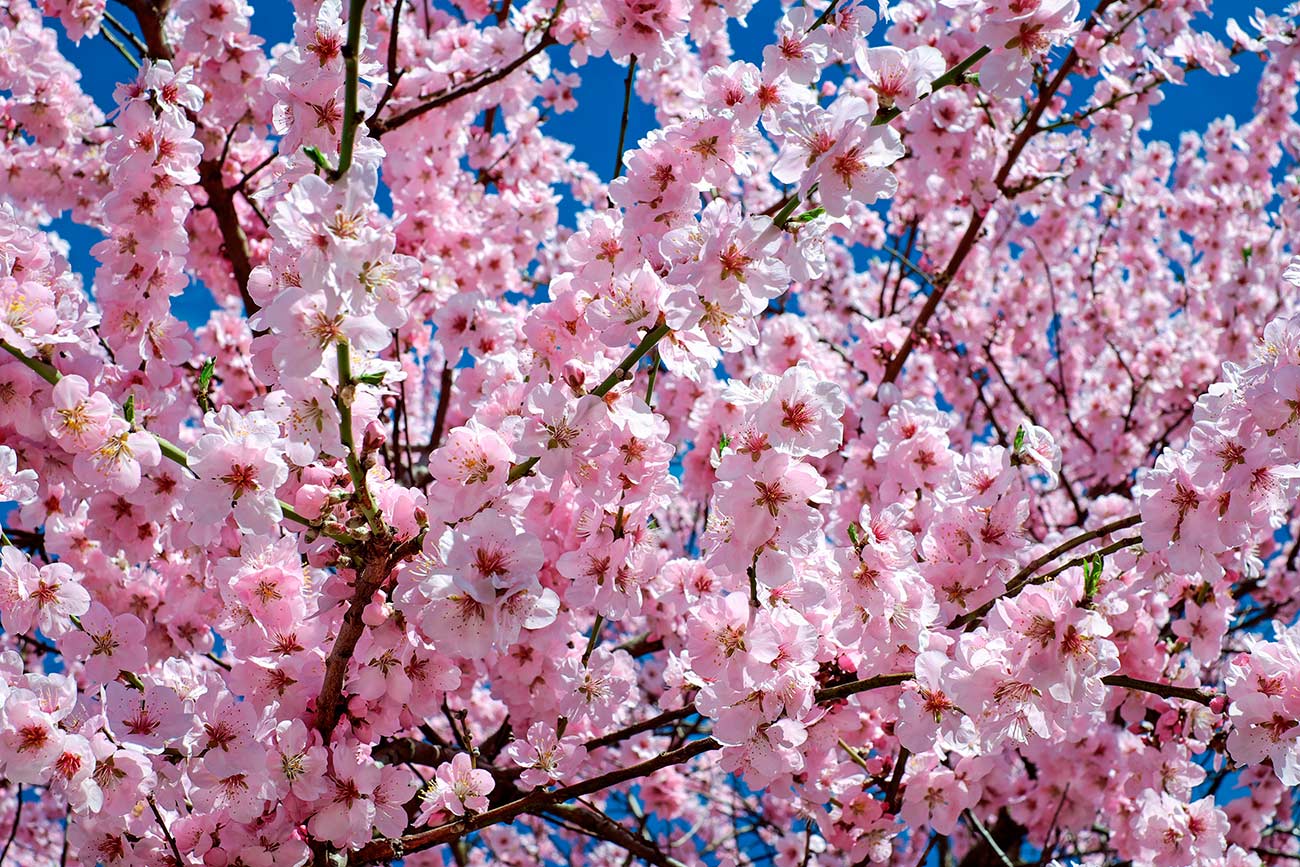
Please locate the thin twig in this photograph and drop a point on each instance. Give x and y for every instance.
(13, 832)
(627, 106)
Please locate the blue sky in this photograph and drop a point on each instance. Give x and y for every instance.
(593, 129)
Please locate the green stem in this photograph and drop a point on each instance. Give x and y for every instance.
(955, 75)
(654, 370)
(343, 400)
(783, 216)
(43, 370)
(652, 337)
(169, 449)
(594, 639)
(351, 117)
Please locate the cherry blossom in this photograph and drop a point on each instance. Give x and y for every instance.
(889, 454)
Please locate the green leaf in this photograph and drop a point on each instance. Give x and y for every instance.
(1092, 576)
(723, 442)
(313, 153)
(376, 378)
(204, 394)
(128, 409)
(1020, 440)
(809, 216)
(855, 534)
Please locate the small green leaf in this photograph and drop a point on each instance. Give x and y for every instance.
(723, 442)
(204, 393)
(313, 153)
(1092, 576)
(1020, 440)
(855, 534)
(809, 216)
(376, 378)
(128, 410)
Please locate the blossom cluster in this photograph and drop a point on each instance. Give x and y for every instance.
(893, 459)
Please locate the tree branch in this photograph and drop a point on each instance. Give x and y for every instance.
(1164, 690)
(382, 126)
(1022, 578)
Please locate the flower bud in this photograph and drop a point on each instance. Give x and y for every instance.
(374, 438)
(574, 376)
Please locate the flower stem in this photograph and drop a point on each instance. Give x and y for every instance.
(351, 117)
(343, 400)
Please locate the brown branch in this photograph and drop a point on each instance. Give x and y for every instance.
(891, 793)
(386, 850)
(13, 832)
(641, 645)
(627, 107)
(602, 827)
(1164, 690)
(1021, 578)
(382, 126)
(376, 563)
(967, 242)
(167, 834)
(234, 243)
(394, 74)
(844, 690)
(444, 400)
(645, 725)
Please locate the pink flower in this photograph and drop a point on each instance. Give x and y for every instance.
(117, 461)
(770, 504)
(348, 810)
(545, 757)
(151, 720)
(16, 486)
(1265, 704)
(30, 739)
(474, 463)
(459, 787)
(239, 472)
(483, 586)
(109, 644)
(797, 53)
(298, 763)
(45, 598)
(899, 77)
(79, 419)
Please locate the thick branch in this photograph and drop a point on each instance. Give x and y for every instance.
(377, 563)
(387, 850)
(234, 242)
